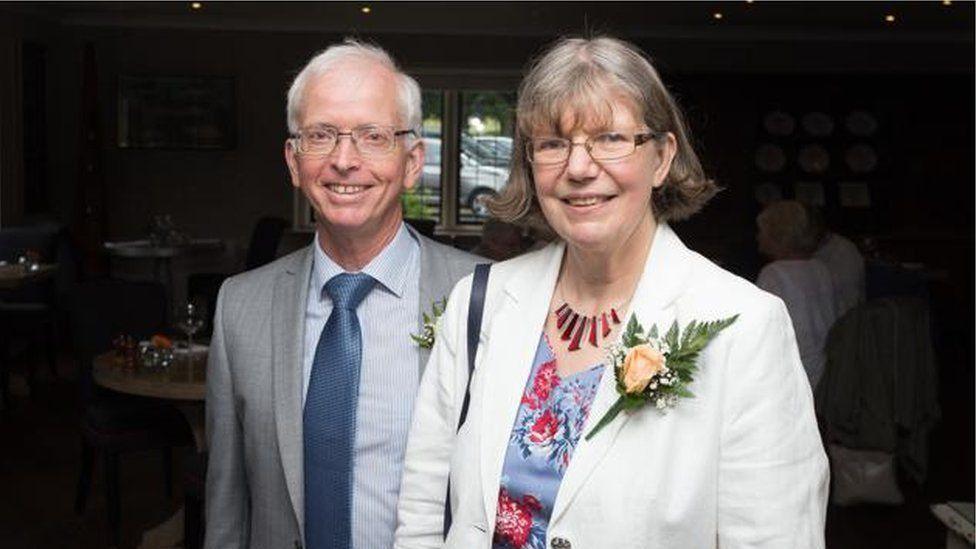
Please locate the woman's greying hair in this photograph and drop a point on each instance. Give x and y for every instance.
(581, 77)
(408, 91)
(789, 227)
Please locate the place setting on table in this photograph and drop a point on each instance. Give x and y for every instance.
(163, 242)
(26, 269)
(161, 367)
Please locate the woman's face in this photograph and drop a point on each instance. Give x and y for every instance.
(598, 206)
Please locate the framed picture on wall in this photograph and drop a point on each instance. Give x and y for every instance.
(177, 112)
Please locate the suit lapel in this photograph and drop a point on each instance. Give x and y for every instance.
(510, 346)
(288, 314)
(427, 290)
(665, 274)
(439, 271)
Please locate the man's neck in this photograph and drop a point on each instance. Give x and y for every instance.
(352, 252)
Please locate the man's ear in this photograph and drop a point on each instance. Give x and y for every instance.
(415, 163)
(291, 160)
(664, 154)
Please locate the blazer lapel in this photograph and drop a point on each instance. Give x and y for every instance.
(665, 274)
(436, 282)
(288, 314)
(509, 347)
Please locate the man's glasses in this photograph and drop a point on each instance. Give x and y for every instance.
(369, 140)
(546, 151)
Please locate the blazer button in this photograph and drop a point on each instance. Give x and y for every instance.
(561, 543)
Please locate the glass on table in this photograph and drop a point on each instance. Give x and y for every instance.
(190, 320)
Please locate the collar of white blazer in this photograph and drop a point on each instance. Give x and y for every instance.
(518, 324)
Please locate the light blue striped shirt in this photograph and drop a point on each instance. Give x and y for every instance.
(388, 382)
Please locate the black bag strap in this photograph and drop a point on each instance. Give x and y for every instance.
(476, 309)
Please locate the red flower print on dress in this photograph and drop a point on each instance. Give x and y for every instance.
(543, 383)
(513, 525)
(544, 429)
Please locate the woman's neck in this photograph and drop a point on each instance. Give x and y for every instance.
(596, 279)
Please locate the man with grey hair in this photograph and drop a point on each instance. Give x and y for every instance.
(312, 371)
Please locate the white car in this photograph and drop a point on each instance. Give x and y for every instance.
(478, 181)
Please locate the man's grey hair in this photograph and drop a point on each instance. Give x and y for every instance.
(408, 91)
(789, 226)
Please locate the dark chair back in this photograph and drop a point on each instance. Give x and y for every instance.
(264, 242)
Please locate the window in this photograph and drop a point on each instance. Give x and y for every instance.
(423, 201)
(486, 127)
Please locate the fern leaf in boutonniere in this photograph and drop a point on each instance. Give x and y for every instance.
(428, 331)
(651, 369)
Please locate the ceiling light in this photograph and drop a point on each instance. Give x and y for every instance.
(750, 1)
(366, 9)
(196, 5)
(717, 15)
(890, 18)
(946, 2)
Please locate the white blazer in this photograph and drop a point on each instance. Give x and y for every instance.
(739, 465)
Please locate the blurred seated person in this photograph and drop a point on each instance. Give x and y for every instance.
(788, 237)
(499, 240)
(844, 262)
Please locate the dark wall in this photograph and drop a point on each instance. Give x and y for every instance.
(924, 103)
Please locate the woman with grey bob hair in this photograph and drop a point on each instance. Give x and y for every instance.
(559, 82)
(582, 429)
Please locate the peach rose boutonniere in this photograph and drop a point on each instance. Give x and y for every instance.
(657, 370)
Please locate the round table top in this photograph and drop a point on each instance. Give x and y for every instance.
(181, 381)
(146, 249)
(15, 276)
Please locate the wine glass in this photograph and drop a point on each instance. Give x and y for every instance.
(190, 320)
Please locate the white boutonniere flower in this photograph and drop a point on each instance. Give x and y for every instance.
(428, 331)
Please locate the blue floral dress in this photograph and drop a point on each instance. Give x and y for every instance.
(547, 427)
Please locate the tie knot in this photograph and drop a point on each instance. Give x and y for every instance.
(348, 290)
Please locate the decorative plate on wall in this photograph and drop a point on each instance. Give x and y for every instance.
(818, 124)
(814, 158)
(770, 158)
(779, 123)
(861, 123)
(861, 158)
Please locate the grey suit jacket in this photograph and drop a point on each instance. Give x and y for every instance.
(254, 395)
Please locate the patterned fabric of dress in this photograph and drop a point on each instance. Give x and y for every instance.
(547, 427)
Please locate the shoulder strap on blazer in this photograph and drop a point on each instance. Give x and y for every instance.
(476, 309)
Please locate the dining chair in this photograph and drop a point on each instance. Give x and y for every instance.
(262, 249)
(112, 423)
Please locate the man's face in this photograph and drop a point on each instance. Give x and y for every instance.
(354, 196)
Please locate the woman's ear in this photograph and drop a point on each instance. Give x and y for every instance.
(665, 150)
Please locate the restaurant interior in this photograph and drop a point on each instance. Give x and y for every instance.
(141, 165)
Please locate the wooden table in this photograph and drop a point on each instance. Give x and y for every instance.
(182, 382)
(17, 276)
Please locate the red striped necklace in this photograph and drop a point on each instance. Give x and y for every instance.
(574, 326)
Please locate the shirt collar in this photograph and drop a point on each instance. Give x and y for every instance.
(388, 267)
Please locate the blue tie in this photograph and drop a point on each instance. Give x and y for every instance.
(330, 417)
